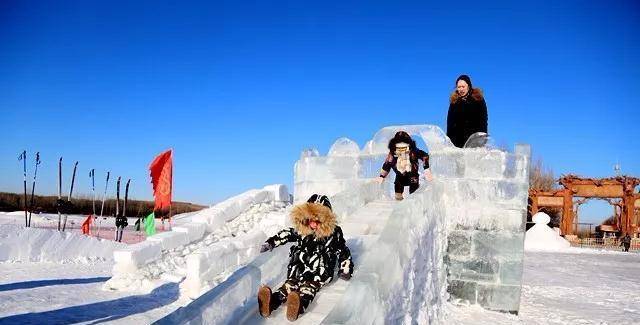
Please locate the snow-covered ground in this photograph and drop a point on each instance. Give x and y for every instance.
(578, 286)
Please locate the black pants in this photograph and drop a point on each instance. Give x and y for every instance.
(411, 180)
(626, 247)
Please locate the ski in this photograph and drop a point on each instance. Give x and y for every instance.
(92, 175)
(23, 157)
(68, 203)
(104, 195)
(117, 215)
(121, 220)
(33, 187)
(59, 193)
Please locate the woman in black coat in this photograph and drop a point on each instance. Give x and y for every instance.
(467, 112)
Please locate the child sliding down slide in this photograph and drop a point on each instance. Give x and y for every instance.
(319, 246)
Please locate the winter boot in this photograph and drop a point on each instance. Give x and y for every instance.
(264, 301)
(399, 197)
(293, 306)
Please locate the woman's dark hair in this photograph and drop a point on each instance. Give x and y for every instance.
(401, 136)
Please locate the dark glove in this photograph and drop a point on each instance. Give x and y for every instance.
(344, 276)
(266, 247)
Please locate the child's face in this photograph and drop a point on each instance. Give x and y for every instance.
(402, 148)
(313, 224)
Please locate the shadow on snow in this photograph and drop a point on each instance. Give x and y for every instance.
(101, 311)
(46, 283)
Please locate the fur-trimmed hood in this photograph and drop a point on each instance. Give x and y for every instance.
(476, 94)
(302, 213)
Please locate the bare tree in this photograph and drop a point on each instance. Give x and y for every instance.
(541, 177)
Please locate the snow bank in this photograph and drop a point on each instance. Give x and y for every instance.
(35, 244)
(541, 237)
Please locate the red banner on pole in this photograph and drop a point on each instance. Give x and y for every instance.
(161, 177)
(87, 224)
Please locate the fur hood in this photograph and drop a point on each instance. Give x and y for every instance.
(300, 213)
(476, 94)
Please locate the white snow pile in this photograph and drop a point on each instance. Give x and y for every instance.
(20, 244)
(542, 238)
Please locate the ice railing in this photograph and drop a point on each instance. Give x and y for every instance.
(132, 258)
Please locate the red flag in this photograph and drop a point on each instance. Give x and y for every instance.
(86, 224)
(161, 177)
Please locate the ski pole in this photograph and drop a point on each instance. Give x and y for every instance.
(73, 178)
(104, 195)
(23, 157)
(33, 187)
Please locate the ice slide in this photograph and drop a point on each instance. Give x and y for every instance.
(472, 213)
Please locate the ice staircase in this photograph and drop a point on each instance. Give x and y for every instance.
(363, 227)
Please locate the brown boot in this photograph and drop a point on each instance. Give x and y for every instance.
(293, 306)
(399, 197)
(264, 301)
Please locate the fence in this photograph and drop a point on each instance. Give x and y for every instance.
(605, 243)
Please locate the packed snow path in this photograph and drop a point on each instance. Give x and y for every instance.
(360, 229)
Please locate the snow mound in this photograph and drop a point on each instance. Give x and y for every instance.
(40, 245)
(542, 238)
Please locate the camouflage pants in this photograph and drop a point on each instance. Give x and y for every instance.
(306, 289)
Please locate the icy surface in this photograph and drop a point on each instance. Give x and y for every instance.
(542, 237)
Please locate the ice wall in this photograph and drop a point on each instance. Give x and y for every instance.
(486, 198)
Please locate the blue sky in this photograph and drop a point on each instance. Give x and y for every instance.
(239, 89)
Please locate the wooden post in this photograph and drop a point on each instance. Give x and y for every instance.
(567, 213)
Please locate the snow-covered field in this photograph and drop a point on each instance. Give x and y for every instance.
(579, 286)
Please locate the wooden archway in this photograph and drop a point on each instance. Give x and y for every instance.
(621, 187)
